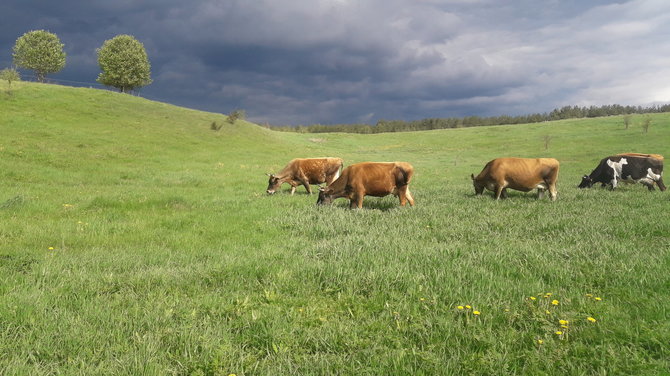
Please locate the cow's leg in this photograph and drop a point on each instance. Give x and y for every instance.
(540, 193)
(409, 196)
(660, 184)
(553, 193)
(649, 184)
(305, 183)
(405, 195)
(500, 189)
(307, 187)
(292, 188)
(356, 201)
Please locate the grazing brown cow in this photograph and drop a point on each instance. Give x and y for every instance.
(370, 179)
(305, 171)
(521, 174)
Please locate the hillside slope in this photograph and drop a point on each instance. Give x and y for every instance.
(136, 240)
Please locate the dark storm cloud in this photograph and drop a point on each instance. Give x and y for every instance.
(334, 61)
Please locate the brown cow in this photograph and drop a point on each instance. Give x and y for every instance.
(305, 171)
(370, 179)
(521, 174)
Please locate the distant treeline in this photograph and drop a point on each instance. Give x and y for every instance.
(567, 112)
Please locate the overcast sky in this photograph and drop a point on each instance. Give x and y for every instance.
(349, 61)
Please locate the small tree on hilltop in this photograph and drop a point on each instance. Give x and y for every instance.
(124, 64)
(236, 115)
(10, 75)
(645, 124)
(41, 51)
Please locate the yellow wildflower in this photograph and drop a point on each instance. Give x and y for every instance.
(558, 333)
(460, 307)
(591, 319)
(547, 295)
(468, 306)
(589, 295)
(547, 312)
(563, 322)
(51, 248)
(554, 302)
(532, 298)
(564, 326)
(597, 298)
(476, 313)
(539, 341)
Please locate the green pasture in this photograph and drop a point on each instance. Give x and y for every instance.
(135, 240)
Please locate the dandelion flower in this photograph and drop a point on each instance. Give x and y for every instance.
(532, 298)
(589, 295)
(591, 319)
(558, 333)
(597, 299)
(422, 299)
(563, 322)
(460, 307)
(51, 248)
(476, 313)
(468, 306)
(539, 341)
(547, 312)
(547, 295)
(554, 302)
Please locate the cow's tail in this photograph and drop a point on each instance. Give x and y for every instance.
(402, 176)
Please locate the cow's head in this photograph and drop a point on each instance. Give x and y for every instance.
(479, 187)
(273, 184)
(587, 182)
(325, 196)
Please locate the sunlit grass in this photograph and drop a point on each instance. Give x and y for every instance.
(136, 240)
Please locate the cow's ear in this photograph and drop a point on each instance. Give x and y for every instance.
(268, 174)
(472, 176)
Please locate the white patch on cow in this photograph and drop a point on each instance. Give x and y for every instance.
(542, 185)
(647, 180)
(616, 169)
(652, 176)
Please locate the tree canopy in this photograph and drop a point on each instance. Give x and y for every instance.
(41, 51)
(124, 63)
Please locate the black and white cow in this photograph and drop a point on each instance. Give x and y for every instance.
(629, 168)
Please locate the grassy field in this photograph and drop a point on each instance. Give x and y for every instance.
(134, 240)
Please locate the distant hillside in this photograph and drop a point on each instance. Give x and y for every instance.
(563, 113)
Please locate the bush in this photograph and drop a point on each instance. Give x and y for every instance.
(236, 115)
(10, 75)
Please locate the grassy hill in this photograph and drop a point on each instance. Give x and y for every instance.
(136, 240)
